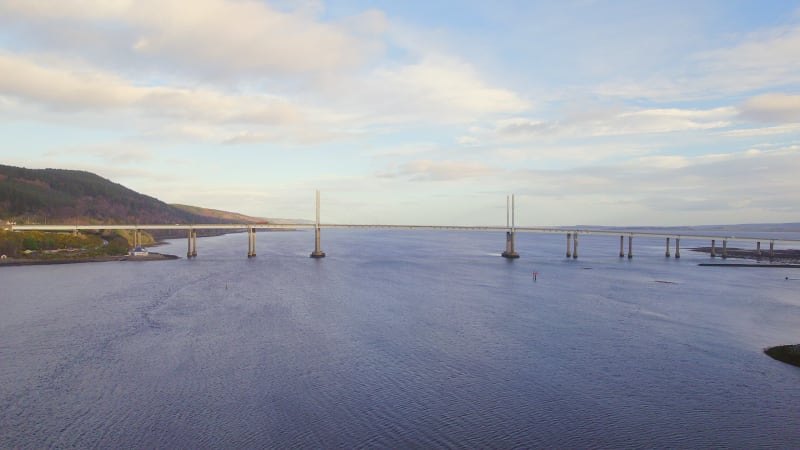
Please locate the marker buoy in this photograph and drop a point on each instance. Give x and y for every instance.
(535, 274)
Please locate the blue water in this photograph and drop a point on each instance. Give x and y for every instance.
(399, 339)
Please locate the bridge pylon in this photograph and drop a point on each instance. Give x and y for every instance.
(510, 253)
(317, 253)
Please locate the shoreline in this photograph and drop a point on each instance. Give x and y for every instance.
(16, 262)
(781, 257)
(767, 265)
(789, 354)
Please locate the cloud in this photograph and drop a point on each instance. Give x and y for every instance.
(63, 88)
(428, 170)
(445, 84)
(765, 59)
(211, 37)
(614, 123)
(59, 88)
(750, 174)
(781, 108)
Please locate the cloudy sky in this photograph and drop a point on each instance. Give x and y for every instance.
(428, 112)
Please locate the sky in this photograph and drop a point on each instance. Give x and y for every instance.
(417, 112)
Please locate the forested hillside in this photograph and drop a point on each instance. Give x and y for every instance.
(56, 195)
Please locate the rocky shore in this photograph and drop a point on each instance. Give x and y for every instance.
(75, 260)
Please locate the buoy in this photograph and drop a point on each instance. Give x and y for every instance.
(535, 274)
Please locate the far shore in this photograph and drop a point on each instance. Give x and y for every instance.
(789, 256)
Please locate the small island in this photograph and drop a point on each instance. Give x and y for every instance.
(790, 354)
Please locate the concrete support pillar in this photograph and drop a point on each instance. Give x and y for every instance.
(510, 253)
(771, 249)
(677, 248)
(667, 253)
(251, 242)
(575, 245)
(194, 243)
(317, 253)
(621, 246)
(569, 245)
(758, 249)
(189, 249)
(713, 248)
(630, 246)
(724, 248)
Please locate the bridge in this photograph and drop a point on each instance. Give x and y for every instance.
(510, 231)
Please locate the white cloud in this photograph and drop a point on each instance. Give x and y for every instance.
(774, 107)
(764, 131)
(615, 123)
(428, 170)
(441, 88)
(63, 88)
(212, 37)
(83, 90)
(760, 60)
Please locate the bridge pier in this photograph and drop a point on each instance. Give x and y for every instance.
(758, 249)
(713, 249)
(569, 245)
(622, 246)
(194, 243)
(510, 253)
(575, 245)
(771, 249)
(677, 248)
(630, 246)
(251, 242)
(724, 249)
(189, 241)
(667, 253)
(317, 253)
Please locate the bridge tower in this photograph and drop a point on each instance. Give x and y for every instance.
(317, 253)
(510, 253)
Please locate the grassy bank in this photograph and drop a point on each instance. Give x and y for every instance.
(66, 245)
(789, 354)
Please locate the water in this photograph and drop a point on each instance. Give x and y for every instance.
(398, 339)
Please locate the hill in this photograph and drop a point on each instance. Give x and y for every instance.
(56, 195)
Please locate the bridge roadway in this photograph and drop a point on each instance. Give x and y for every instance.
(510, 231)
(294, 226)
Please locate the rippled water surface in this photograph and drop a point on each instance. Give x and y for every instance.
(398, 339)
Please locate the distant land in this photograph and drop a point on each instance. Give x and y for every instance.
(790, 227)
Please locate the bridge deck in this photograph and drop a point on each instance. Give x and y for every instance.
(292, 226)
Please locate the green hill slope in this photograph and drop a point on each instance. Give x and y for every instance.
(56, 195)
